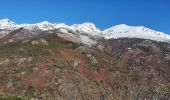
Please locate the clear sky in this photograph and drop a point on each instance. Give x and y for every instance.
(154, 14)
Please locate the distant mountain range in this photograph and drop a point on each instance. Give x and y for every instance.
(118, 31)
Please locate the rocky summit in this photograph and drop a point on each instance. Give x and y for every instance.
(48, 61)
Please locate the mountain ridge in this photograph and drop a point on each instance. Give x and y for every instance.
(117, 31)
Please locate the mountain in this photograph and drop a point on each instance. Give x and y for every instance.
(48, 67)
(7, 24)
(118, 31)
(45, 26)
(87, 28)
(55, 61)
(122, 30)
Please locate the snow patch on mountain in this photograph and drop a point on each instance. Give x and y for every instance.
(3, 33)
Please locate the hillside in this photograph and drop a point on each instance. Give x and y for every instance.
(49, 67)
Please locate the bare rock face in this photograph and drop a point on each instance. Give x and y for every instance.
(35, 42)
(167, 57)
(43, 41)
(4, 61)
(92, 59)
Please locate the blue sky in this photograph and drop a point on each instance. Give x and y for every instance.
(154, 14)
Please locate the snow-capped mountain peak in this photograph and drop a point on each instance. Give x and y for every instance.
(122, 31)
(87, 28)
(5, 20)
(121, 25)
(44, 23)
(7, 24)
